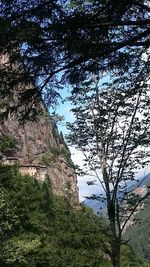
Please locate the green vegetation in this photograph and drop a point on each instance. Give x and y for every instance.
(48, 159)
(48, 41)
(130, 259)
(6, 142)
(114, 42)
(139, 234)
(37, 230)
(108, 131)
(62, 141)
(40, 230)
(61, 151)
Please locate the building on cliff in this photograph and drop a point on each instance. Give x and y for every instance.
(39, 150)
(38, 171)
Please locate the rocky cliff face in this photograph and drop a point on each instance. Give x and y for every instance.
(39, 149)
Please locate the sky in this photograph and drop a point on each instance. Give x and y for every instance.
(64, 109)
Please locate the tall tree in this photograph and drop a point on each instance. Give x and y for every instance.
(50, 37)
(111, 128)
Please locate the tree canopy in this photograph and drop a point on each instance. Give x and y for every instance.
(73, 39)
(111, 128)
(39, 229)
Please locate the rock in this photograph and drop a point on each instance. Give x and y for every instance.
(38, 149)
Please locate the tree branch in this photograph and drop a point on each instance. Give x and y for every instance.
(134, 209)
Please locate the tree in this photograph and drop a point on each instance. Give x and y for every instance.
(50, 37)
(111, 129)
(38, 229)
(139, 235)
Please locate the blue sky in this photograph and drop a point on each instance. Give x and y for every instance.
(64, 109)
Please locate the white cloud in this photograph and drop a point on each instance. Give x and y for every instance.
(84, 189)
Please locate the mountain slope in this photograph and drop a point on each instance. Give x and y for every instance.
(38, 148)
(99, 207)
(139, 234)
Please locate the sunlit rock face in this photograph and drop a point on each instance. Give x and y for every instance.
(38, 148)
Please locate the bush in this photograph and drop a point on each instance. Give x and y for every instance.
(6, 143)
(38, 229)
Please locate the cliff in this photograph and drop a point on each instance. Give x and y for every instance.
(38, 148)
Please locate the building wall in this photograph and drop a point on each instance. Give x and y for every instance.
(10, 162)
(32, 171)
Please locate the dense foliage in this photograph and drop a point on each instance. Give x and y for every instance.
(37, 229)
(40, 39)
(73, 38)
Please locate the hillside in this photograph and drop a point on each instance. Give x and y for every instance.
(99, 206)
(32, 139)
(41, 221)
(38, 229)
(139, 234)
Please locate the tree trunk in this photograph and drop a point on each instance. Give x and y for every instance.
(115, 253)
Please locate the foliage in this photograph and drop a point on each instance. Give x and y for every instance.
(38, 229)
(6, 143)
(62, 141)
(130, 259)
(47, 159)
(56, 151)
(23, 205)
(43, 39)
(62, 151)
(114, 139)
(139, 234)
